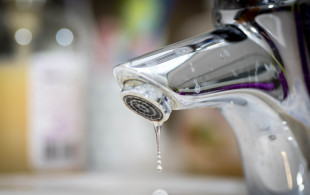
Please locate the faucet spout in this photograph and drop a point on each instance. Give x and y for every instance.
(254, 69)
(222, 60)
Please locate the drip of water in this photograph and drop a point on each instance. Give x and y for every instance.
(157, 128)
(197, 86)
(159, 192)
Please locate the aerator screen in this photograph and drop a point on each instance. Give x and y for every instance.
(143, 108)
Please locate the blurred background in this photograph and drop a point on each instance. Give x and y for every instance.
(60, 110)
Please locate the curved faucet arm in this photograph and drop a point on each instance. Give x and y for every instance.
(224, 59)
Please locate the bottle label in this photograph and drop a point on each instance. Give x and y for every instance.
(56, 115)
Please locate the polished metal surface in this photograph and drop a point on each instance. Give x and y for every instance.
(146, 100)
(255, 68)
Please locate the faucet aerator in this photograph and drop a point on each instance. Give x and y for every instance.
(147, 101)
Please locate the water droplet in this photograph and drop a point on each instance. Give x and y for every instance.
(234, 73)
(224, 53)
(158, 161)
(272, 137)
(159, 168)
(284, 122)
(159, 192)
(222, 56)
(197, 86)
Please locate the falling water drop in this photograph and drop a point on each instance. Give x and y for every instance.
(159, 192)
(159, 168)
(157, 128)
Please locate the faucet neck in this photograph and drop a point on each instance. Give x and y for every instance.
(245, 11)
(273, 146)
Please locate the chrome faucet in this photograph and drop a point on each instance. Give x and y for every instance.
(254, 67)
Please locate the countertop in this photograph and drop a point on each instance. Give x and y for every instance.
(118, 184)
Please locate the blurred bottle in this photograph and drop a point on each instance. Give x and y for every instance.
(57, 84)
(51, 131)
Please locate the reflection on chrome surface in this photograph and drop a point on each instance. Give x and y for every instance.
(255, 68)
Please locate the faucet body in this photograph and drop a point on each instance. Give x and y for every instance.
(254, 67)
